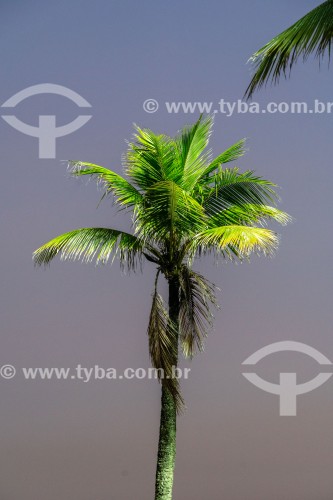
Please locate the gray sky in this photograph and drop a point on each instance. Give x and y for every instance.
(75, 440)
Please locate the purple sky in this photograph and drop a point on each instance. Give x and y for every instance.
(75, 441)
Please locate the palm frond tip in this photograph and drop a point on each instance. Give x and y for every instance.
(313, 33)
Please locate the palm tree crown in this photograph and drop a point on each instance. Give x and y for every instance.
(183, 204)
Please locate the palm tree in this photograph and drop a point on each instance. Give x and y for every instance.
(313, 33)
(183, 205)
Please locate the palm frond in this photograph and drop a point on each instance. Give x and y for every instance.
(191, 143)
(234, 188)
(163, 346)
(313, 33)
(150, 159)
(237, 241)
(195, 317)
(168, 211)
(126, 194)
(93, 243)
(248, 214)
(233, 153)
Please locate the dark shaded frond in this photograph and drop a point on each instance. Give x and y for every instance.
(195, 317)
(163, 346)
(235, 188)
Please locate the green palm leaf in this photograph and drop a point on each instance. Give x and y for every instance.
(234, 188)
(191, 156)
(126, 194)
(248, 214)
(93, 243)
(168, 211)
(150, 159)
(239, 241)
(313, 33)
(233, 153)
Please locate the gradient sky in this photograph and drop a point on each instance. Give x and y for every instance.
(75, 441)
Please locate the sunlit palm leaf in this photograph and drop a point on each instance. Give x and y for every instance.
(191, 156)
(248, 214)
(150, 159)
(93, 243)
(125, 193)
(240, 239)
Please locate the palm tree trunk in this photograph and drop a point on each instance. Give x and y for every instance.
(167, 438)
